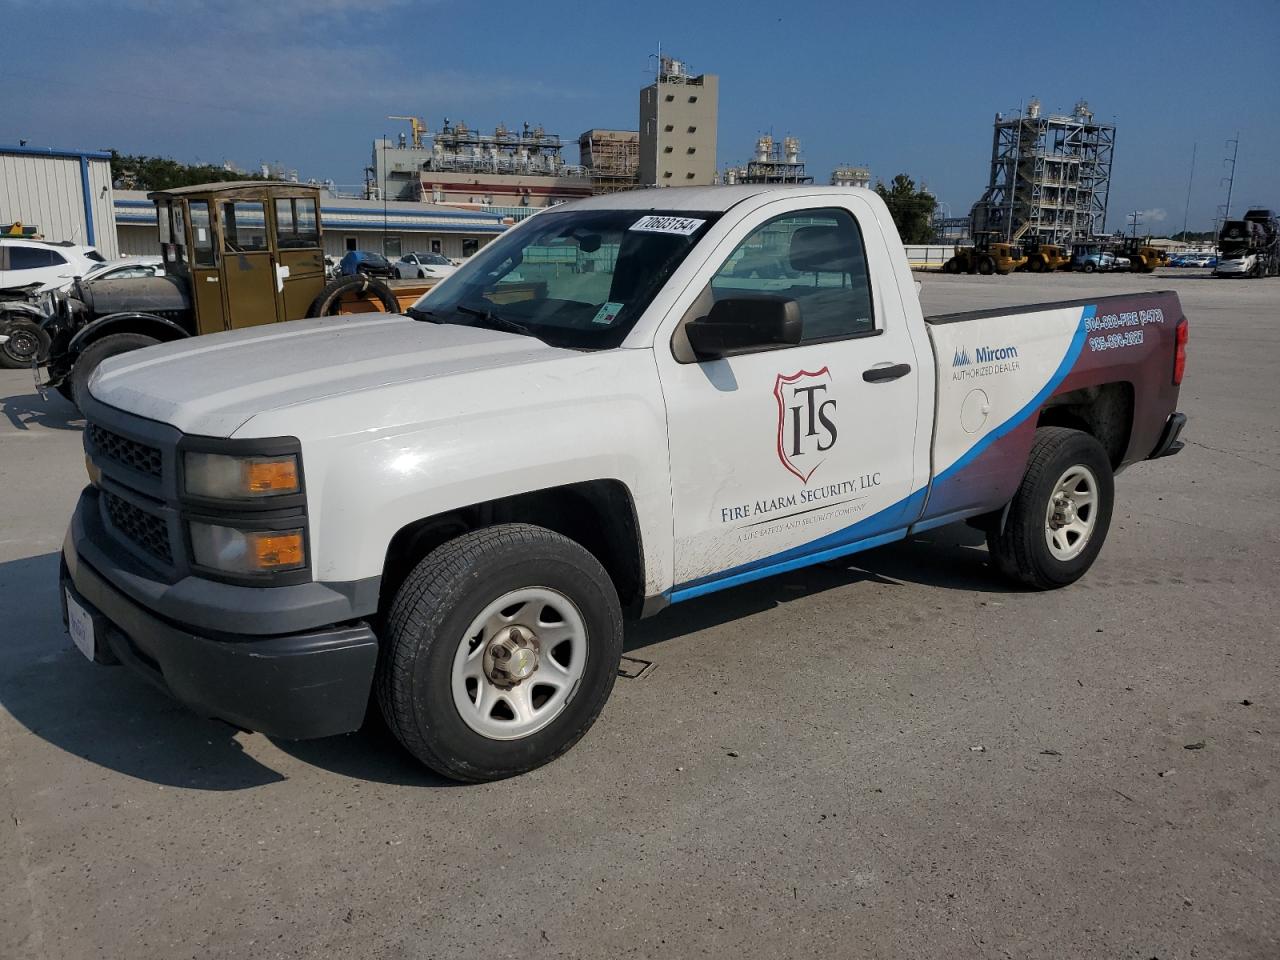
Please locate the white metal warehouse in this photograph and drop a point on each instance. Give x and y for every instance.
(60, 195)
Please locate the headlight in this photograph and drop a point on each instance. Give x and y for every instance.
(246, 551)
(224, 477)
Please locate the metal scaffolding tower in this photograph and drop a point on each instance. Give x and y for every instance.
(1050, 176)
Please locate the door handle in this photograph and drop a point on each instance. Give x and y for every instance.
(891, 372)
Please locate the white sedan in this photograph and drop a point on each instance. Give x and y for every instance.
(424, 266)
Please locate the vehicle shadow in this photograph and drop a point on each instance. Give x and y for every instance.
(29, 410)
(108, 717)
(111, 718)
(952, 558)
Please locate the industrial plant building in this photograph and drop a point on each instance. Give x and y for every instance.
(518, 169)
(678, 116)
(1050, 176)
(611, 158)
(393, 228)
(774, 162)
(851, 177)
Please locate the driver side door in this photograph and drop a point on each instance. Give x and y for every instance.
(789, 454)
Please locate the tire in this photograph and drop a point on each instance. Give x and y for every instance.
(92, 355)
(1021, 550)
(1034, 265)
(428, 665)
(328, 302)
(951, 266)
(26, 340)
(986, 266)
(1090, 267)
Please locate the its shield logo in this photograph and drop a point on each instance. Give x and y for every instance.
(806, 420)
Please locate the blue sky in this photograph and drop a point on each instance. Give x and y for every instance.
(904, 87)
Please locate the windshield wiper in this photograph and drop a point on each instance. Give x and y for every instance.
(491, 320)
(428, 315)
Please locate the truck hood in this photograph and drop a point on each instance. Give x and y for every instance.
(211, 385)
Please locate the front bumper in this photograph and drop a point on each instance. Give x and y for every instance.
(295, 686)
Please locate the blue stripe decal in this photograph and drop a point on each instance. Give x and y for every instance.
(866, 533)
(870, 532)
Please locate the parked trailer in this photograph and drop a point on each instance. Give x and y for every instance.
(1249, 247)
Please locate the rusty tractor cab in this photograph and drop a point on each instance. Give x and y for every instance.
(235, 255)
(250, 252)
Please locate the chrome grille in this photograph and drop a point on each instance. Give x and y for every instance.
(141, 457)
(139, 526)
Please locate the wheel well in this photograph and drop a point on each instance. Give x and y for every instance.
(1105, 412)
(598, 514)
(156, 327)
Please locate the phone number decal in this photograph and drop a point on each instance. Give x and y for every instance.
(1114, 341)
(1124, 322)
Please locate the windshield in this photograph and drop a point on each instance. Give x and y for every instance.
(576, 279)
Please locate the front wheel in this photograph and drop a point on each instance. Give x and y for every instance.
(986, 266)
(951, 266)
(27, 342)
(1090, 267)
(501, 648)
(1059, 517)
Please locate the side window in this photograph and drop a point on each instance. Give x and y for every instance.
(469, 246)
(308, 229)
(286, 230)
(30, 258)
(816, 258)
(203, 252)
(243, 226)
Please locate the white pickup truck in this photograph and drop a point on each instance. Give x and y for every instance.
(621, 404)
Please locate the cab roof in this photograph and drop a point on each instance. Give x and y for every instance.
(706, 199)
(238, 188)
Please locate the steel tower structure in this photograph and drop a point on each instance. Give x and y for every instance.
(1050, 176)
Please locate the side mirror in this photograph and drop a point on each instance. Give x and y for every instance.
(745, 324)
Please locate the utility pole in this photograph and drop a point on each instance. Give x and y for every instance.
(1231, 177)
(1191, 179)
(1136, 219)
(384, 194)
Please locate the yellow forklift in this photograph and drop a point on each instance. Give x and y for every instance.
(1143, 257)
(1045, 257)
(987, 256)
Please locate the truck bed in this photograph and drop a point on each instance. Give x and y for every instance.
(1105, 361)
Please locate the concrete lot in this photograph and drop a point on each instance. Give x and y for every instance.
(798, 776)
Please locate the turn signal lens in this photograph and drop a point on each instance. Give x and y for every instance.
(232, 550)
(276, 475)
(226, 477)
(277, 551)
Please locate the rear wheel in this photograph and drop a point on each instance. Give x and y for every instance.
(951, 266)
(1060, 516)
(501, 648)
(1034, 265)
(1090, 267)
(27, 342)
(92, 355)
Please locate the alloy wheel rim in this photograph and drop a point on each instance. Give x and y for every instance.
(1072, 513)
(519, 663)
